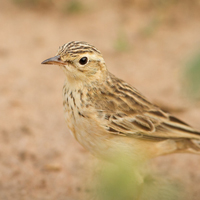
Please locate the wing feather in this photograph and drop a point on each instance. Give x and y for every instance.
(143, 119)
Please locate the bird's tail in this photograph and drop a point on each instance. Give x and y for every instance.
(189, 146)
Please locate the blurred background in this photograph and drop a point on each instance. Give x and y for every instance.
(154, 45)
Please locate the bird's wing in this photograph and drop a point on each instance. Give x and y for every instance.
(151, 125)
(135, 116)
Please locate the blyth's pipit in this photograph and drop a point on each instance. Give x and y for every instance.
(105, 114)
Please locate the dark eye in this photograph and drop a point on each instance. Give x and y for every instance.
(83, 60)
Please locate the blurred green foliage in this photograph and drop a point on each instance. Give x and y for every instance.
(191, 77)
(117, 183)
(122, 43)
(122, 180)
(142, 4)
(73, 6)
(33, 3)
(67, 6)
(151, 27)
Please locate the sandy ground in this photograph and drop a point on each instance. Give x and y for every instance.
(39, 159)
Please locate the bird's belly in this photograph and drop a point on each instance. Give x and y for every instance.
(101, 144)
(105, 145)
(88, 133)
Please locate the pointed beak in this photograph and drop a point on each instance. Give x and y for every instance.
(56, 60)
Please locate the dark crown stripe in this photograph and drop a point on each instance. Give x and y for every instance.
(77, 47)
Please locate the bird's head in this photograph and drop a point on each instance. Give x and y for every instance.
(79, 60)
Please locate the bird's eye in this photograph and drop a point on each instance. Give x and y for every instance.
(83, 60)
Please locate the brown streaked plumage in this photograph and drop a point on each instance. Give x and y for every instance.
(107, 115)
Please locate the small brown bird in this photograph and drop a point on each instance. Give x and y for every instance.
(108, 116)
